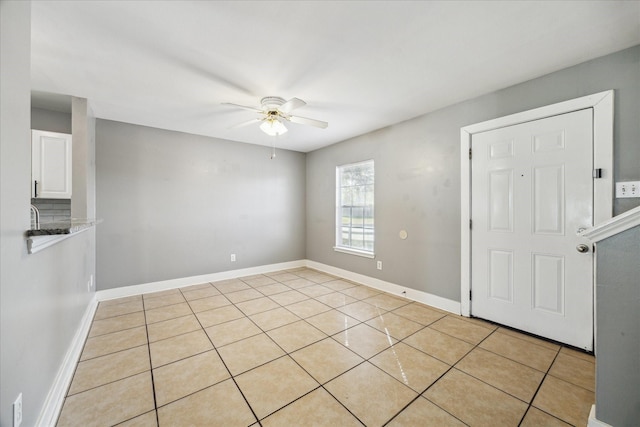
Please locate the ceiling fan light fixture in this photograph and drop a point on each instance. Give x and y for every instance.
(273, 127)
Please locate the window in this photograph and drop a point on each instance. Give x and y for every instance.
(354, 208)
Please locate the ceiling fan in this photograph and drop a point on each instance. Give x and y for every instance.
(273, 111)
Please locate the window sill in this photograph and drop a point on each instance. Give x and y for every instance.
(356, 252)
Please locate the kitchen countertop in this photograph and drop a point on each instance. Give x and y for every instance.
(70, 226)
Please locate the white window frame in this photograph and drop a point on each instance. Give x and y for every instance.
(338, 217)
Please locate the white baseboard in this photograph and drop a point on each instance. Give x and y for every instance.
(402, 291)
(412, 294)
(163, 285)
(53, 403)
(593, 421)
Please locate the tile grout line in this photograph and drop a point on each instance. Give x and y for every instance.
(305, 319)
(75, 370)
(246, 316)
(371, 357)
(524, 333)
(288, 354)
(231, 376)
(540, 386)
(419, 394)
(337, 400)
(142, 300)
(545, 373)
(477, 346)
(108, 354)
(109, 382)
(368, 360)
(153, 384)
(107, 333)
(443, 374)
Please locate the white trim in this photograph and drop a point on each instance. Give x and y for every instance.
(361, 162)
(37, 243)
(409, 293)
(412, 294)
(163, 285)
(465, 224)
(602, 99)
(53, 403)
(603, 117)
(615, 225)
(350, 251)
(593, 421)
(602, 104)
(338, 212)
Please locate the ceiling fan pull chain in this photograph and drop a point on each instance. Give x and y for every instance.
(273, 147)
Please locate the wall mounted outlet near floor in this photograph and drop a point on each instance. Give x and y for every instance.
(233, 257)
(379, 265)
(627, 189)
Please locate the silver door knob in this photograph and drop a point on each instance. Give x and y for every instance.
(582, 248)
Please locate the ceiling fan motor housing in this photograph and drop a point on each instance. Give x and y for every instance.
(271, 103)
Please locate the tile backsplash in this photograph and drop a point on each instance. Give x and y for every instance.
(52, 210)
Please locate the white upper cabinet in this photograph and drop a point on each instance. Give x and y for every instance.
(50, 165)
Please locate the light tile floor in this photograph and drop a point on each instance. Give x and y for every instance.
(304, 348)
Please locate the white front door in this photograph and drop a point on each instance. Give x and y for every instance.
(531, 192)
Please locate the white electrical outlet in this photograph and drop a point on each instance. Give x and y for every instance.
(90, 284)
(233, 257)
(17, 411)
(627, 189)
(379, 265)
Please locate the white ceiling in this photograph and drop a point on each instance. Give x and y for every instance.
(359, 65)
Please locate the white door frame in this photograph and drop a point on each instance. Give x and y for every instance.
(602, 104)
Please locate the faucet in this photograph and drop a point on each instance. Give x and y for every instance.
(36, 212)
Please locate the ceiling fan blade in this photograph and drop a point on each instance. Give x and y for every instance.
(247, 123)
(243, 107)
(306, 121)
(291, 105)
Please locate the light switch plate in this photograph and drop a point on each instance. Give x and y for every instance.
(627, 189)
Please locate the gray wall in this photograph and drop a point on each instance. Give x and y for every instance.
(418, 173)
(177, 205)
(618, 329)
(52, 121)
(42, 296)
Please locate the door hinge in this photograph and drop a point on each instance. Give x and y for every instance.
(469, 153)
(469, 294)
(470, 224)
(597, 173)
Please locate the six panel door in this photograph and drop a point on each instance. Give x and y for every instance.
(532, 191)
